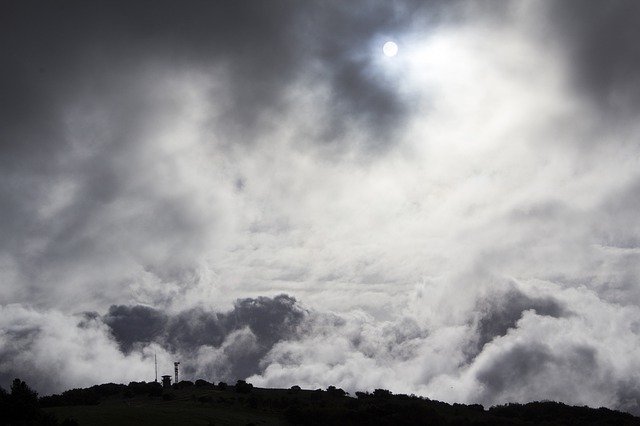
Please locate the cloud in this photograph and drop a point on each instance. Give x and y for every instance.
(135, 324)
(598, 40)
(128, 131)
(500, 312)
(439, 222)
(53, 352)
(274, 342)
(575, 358)
(241, 336)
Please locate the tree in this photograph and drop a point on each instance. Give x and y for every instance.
(183, 384)
(382, 393)
(294, 389)
(21, 406)
(335, 392)
(21, 392)
(4, 403)
(243, 387)
(201, 383)
(155, 389)
(23, 401)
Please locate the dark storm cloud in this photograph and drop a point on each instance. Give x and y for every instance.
(135, 324)
(55, 53)
(96, 57)
(269, 321)
(360, 95)
(83, 84)
(345, 34)
(19, 339)
(346, 38)
(53, 50)
(628, 393)
(57, 56)
(600, 38)
(515, 368)
(501, 312)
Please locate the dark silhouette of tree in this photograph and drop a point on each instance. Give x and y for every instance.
(23, 404)
(183, 384)
(144, 388)
(382, 393)
(318, 407)
(22, 408)
(294, 389)
(4, 405)
(154, 389)
(243, 387)
(335, 392)
(200, 383)
(92, 395)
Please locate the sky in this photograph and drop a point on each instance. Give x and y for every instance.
(254, 189)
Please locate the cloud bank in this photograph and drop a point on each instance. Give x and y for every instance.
(254, 188)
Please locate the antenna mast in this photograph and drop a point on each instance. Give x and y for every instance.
(155, 359)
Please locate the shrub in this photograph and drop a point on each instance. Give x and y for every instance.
(243, 387)
(382, 393)
(183, 384)
(335, 392)
(294, 389)
(139, 388)
(22, 407)
(154, 389)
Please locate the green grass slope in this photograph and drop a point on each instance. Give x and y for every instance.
(142, 404)
(190, 407)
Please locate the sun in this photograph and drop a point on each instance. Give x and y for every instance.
(390, 49)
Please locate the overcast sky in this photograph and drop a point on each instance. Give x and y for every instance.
(254, 189)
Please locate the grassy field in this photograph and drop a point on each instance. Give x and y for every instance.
(209, 405)
(223, 408)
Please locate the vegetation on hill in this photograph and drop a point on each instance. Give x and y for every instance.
(207, 404)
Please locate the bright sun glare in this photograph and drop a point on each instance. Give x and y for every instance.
(390, 49)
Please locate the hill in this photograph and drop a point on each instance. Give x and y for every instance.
(205, 404)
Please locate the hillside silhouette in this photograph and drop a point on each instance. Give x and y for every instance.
(208, 404)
